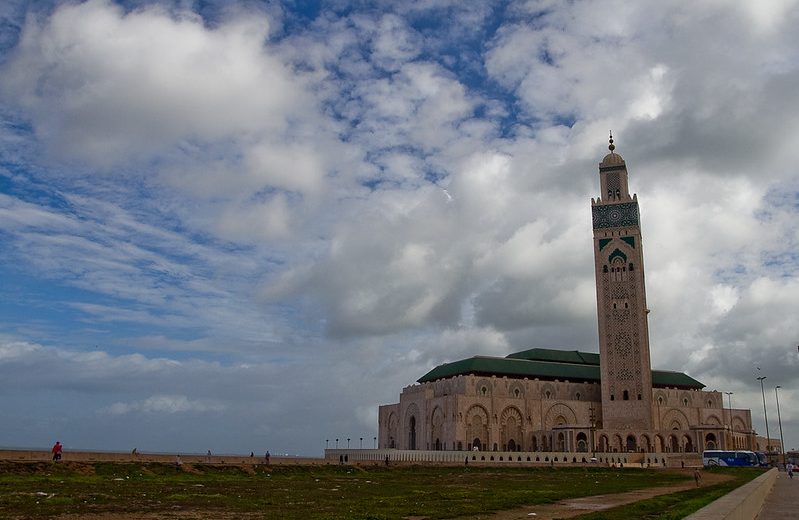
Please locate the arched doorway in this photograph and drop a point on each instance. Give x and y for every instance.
(561, 442)
(511, 445)
(645, 444)
(630, 445)
(604, 444)
(689, 445)
(582, 442)
(710, 441)
(476, 445)
(673, 444)
(659, 448)
(412, 434)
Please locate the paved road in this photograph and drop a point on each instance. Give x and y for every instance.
(783, 501)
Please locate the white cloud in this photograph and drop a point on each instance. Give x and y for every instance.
(168, 404)
(108, 86)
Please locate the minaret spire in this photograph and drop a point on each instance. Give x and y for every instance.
(626, 373)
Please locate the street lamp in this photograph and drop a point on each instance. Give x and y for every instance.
(765, 413)
(729, 400)
(336, 443)
(361, 442)
(375, 439)
(327, 441)
(779, 420)
(348, 443)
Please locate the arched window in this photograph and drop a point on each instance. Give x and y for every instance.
(626, 395)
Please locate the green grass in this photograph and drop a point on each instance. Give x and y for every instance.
(44, 490)
(681, 504)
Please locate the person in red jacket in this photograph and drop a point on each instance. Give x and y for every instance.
(57, 448)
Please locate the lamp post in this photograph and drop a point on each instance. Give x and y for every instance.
(779, 421)
(348, 443)
(591, 418)
(729, 400)
(336, 443)
(375, 439)
(765, 413)
(361, 443)
(327, 441)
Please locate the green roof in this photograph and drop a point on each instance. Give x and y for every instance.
(663, 378)
(547, 364)
(558, 356)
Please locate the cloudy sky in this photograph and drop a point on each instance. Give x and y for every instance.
(244, 225)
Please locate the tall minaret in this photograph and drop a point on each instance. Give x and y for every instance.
(621, 301)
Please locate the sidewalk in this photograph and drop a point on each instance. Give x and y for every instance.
(783, 501)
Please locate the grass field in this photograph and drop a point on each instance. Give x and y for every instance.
(46, 490)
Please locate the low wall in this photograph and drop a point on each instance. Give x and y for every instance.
(743, 503)
(671, 460)
(189, 458)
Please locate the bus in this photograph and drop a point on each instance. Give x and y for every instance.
(763, 459)
(730, 458)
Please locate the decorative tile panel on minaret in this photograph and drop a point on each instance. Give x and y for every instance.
(621, 301)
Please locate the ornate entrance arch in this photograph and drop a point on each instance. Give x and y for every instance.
(477, 426)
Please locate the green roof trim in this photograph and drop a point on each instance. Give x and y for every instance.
(603, 242)
(510, 367)
(547, 364)
(629, 240)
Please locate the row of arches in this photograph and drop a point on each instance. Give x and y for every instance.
(512, 436)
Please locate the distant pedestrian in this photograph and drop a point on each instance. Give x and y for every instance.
(266, 457)
(178, 463)
(208, 456)
(789, 469)
(57, 449)
(252, 454)
(387, 460)
(697, 477)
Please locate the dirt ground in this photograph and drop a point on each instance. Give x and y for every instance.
(579, 506)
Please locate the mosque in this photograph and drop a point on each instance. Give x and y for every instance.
(573, 401)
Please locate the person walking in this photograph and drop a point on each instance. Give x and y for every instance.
(57, 449)
(697, 477)
(789, 469)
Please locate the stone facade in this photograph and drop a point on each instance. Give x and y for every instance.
(543, 400)
(541, 415)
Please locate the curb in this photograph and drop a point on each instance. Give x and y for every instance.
(743, 503)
